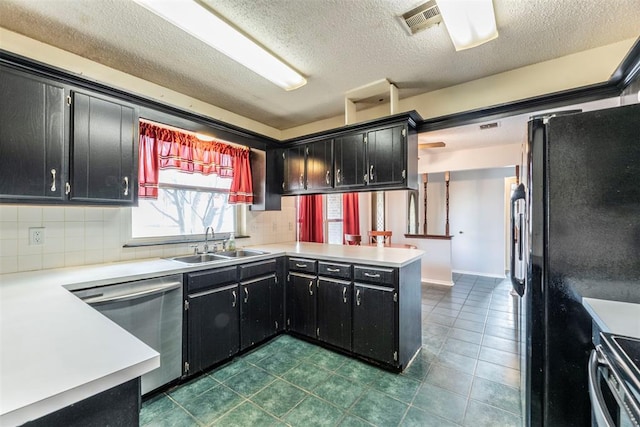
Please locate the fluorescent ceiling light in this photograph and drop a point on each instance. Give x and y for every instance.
(201, 23)
(470, 23)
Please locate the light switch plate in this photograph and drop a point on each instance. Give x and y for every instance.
(36, 236)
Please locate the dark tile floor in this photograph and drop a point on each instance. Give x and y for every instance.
(467, 373)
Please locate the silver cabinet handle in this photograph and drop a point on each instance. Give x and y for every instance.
(371, 173)
(375, 276)
(344, 294)
(338, 176)
(301, 180)
(301, 265)
(67, 188)
(126, 185)
(366, 177)
(327, 178)
(597, 400)
(53, 180)
(246, 295)
(358, 297)
(311, 287)
(333, 270)
(235, 298)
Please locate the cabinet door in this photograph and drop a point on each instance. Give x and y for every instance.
(277, 298)
(214, 327)
(386, 156)
(301, 313)
(334, 312)
(293, 169)
(319, 165)
(255, 310)
(32, 137)
(349, 161)
(374, 323)
(104, 151)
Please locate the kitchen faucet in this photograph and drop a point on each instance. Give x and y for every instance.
(206, 241)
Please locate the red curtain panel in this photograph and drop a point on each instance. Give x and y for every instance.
(310, 218)
(350, 214)
(162, 148)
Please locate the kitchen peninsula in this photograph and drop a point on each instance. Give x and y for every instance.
(58, 351)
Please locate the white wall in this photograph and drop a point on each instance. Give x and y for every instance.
(92, 235)
(477, 210)
(478, 158)
(436, 262)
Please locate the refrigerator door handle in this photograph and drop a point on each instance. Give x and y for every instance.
(518, 284)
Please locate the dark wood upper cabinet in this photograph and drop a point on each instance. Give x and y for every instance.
(319, 165)
(33, 127)
(104, 150)
(293, 169)
(386, 158)
(349, 161)
(378, 155)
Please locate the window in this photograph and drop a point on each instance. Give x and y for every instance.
(186, 205)
(333, 206)
(187, 184)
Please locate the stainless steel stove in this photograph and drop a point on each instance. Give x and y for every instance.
(614, 381)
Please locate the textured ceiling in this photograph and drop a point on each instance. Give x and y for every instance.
(338, 44)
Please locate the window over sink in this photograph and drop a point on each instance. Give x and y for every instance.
(186, 205)
(188, 182)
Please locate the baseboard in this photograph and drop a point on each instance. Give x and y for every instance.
(476, 273)
(436, 282)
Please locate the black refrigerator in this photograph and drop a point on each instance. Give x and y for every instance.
(576, 232)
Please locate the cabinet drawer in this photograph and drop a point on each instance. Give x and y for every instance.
(340, 271)
(211, 278)
(303, 265)
(383, 276)
(255, 269)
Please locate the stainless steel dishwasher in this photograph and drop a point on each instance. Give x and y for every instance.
(151, 310)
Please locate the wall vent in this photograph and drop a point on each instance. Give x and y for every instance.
(422, 17)
(489, 126)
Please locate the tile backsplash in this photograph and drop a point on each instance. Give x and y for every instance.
(93, 235)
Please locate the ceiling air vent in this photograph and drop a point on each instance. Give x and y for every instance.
(422, 17)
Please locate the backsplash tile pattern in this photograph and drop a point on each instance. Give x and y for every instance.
(92, 235)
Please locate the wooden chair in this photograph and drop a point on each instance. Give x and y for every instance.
(353, 239)
(374, 236)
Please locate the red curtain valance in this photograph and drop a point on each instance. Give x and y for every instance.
(162, 148)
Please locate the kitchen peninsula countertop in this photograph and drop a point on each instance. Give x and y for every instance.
(621, 318)
(57, 350)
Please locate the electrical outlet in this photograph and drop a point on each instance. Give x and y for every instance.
(36, 236)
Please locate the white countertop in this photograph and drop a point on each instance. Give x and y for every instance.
(383, 256)
(56, 350)
(617, 317)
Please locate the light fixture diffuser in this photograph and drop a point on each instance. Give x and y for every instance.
(201, 23)
(470, 23)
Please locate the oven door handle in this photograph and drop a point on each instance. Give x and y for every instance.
(134, 295)
(600, 413)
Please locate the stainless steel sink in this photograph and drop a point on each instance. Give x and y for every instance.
(218, 256)
(200, 258)
(239, 253)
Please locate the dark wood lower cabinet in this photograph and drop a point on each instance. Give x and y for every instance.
(374, 323)
(334, 312)
(301, 304)
(255, 310)
(213, 327)
(118, 406)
